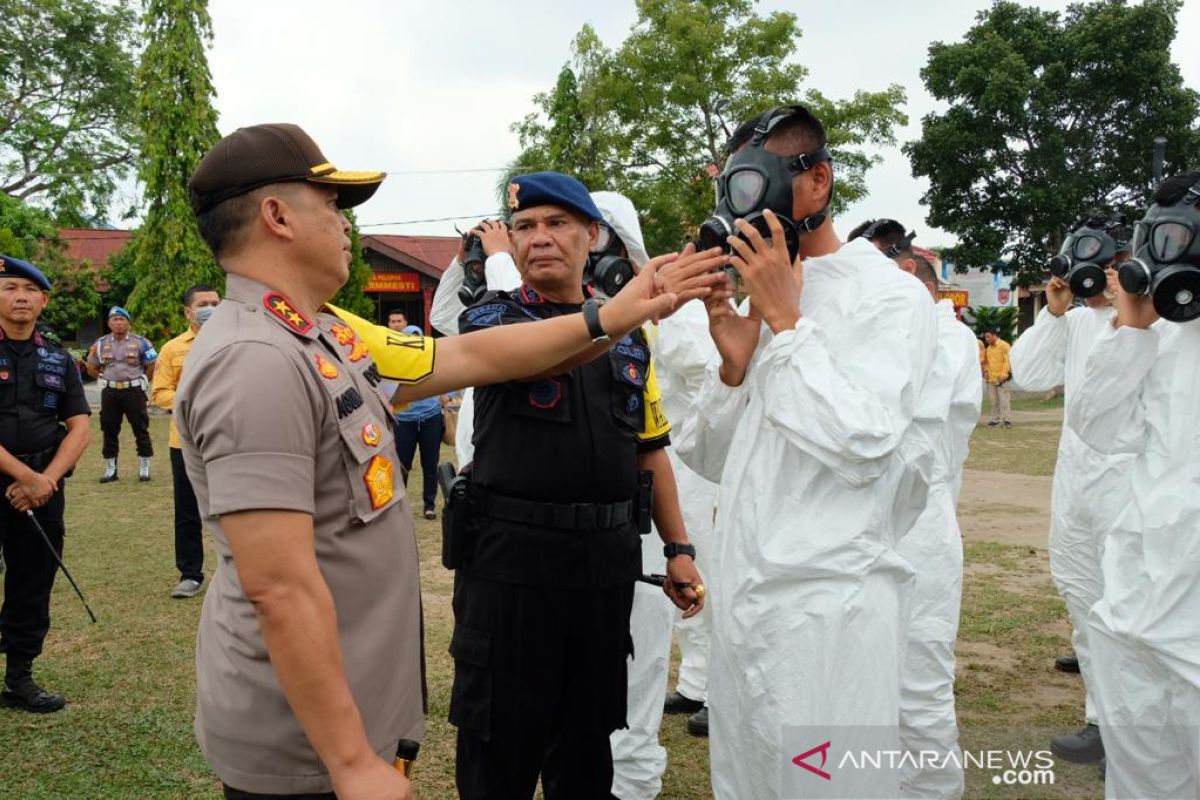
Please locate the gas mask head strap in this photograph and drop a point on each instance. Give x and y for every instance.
(767, 122)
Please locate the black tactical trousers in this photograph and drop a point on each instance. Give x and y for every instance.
(189, 532)
(130, 404)
(28, 575)
(539, 684)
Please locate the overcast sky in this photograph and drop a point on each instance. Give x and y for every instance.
(427, 91)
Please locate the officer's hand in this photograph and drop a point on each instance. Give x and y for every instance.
(772, 278)
(17, 498)
(37, 488)
(1058, 296)
(682, 570)
(493, 235)
(375, 780)
(691, 275)
(640, 301)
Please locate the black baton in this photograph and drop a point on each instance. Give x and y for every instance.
(659, 580)
(61, 565)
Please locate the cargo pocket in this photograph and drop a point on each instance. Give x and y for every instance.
(471, 697)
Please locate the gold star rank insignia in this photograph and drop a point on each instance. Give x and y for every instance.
(326, 367)
(380, 481)
(282, 309)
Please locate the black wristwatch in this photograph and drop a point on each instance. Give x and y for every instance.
(591, 316)
(675, 549)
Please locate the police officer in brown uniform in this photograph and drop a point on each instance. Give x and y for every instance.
(124, 361)
(309, 653)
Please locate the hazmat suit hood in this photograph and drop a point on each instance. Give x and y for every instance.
(621, 216)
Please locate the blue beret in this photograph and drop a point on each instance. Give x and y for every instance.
(117, 311)
(23, 269)
(551, 189)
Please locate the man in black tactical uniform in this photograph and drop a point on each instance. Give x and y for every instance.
(545, 584)
(43, 432)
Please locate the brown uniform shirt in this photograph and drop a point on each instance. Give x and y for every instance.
(279, 412)
(122, 359)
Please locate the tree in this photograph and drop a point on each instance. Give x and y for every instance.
(66, 94)
(992, 318)
(1048, 116)
(648, 118)
(178, 125)
(351, 296)
(29, 233)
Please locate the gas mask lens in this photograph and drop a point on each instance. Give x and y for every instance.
(745, 191)
(1086, 247)
(1170, 240)
(605, 238)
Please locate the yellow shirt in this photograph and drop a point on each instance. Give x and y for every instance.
(167, 375)
(996, 363)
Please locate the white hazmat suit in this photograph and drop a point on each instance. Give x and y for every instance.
(683, 350)
(1087, 492)
(947, 411)
(1140, 394)
(821, 470)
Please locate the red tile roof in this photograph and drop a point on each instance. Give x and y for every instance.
(93, 244)
(428, 254)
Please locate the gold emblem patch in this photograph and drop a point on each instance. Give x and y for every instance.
(358, 351)
(326, 367)
(513, 202)
(342, 333)
(380, 480)
(371, 434)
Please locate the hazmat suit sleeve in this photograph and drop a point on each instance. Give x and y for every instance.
(1039, 356)
(851, 414)
(703, 437)
(501, 274)
(1107, 411)
(683, 347)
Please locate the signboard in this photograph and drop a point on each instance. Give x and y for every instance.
(987, 288)
(399, 282)
(960, 297)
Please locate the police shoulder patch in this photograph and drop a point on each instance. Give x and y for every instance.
(487, 315)
(283, 310)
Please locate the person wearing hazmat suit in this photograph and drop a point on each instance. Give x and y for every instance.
(808, 426)
(1087, 492)
(1139, 395)
(947, 411)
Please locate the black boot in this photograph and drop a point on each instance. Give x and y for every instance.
(1083, 747)
(697, 724)
(681, 704)
(1067, 663)
(21, 692)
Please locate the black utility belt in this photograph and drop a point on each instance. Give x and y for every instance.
(561, 516)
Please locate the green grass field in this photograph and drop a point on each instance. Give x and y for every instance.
(127, 731)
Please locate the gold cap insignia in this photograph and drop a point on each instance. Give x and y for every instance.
(513, 202)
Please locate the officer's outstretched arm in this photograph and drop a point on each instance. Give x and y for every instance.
(513, 352)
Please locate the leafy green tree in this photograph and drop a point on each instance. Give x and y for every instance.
(648, 118)
(988, 318)
(1049, 114)
(30, 233)
(66, 94)
(178, 125)
(351, 296)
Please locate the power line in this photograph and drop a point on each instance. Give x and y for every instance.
(432, 219)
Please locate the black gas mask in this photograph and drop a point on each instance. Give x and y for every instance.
(1166, 258)
(474, 285)
(608, 270)
(755, 180)
(892, 250)
(1091, 245)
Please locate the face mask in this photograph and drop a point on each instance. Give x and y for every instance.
(1166, 259)
(1080, 261)
(755, 180)
(608, 270)
(202, 314)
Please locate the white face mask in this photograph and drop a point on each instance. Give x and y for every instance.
(201, 315)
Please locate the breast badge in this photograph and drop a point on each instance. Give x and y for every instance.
(326, 367)
(380, 481)
(371, 434)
